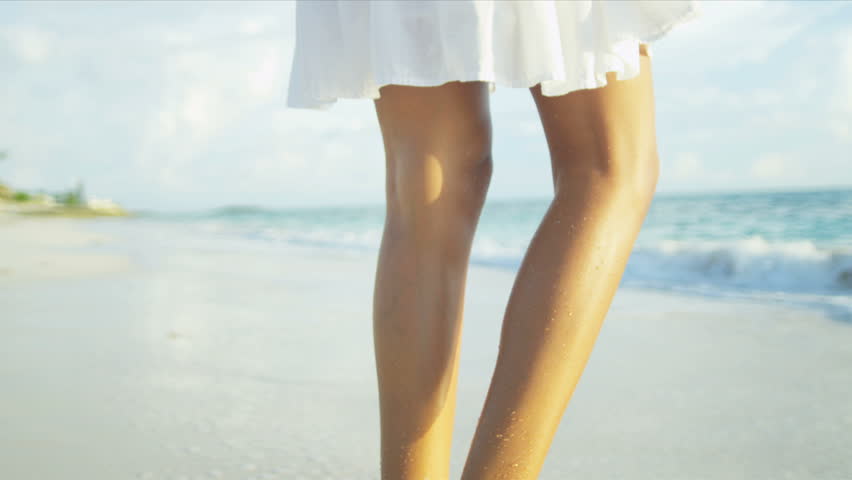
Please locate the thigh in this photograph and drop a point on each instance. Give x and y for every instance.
(425, 118)
(608, 130)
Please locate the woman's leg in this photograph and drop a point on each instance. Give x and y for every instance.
(604, 159)
(438, 155)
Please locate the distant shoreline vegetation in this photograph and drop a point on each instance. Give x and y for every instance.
(66, 203)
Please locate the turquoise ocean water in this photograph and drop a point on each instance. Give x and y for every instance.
(793, 247)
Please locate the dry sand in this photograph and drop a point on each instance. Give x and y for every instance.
(131, 351)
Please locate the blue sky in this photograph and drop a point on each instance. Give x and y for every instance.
(180, 106)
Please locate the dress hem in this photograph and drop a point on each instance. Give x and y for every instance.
(562, 86)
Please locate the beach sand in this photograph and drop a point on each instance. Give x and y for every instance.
(132, 351)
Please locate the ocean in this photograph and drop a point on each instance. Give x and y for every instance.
(789, 247)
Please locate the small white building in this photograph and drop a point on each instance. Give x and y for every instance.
(104, 205)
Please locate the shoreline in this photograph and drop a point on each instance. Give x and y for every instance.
(79, 233)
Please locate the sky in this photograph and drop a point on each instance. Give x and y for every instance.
(180, 106)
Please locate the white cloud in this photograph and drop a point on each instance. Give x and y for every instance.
(686, 166)
(257, 25)
(701, 96)
(844, 93)
(767, 96)
(841, 129)
(201, 110)
(279, 170)
(28, 43)
(26, 176)
(689, 170)
(265, 78)
(775, 120)
(775, 166)
(729, 34)
(840, 103)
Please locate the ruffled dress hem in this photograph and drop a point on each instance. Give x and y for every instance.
(619, 56)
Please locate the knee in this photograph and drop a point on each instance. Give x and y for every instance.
(630, 176)
(440, 190)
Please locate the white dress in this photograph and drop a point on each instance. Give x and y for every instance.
(349, 49)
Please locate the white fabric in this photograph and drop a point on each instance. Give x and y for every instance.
(349, 49)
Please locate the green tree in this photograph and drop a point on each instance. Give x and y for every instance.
(72, 198)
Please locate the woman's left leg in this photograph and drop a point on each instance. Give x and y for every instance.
(438, 155)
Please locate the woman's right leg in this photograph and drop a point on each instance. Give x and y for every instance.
(438, 152)
(604, 159)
